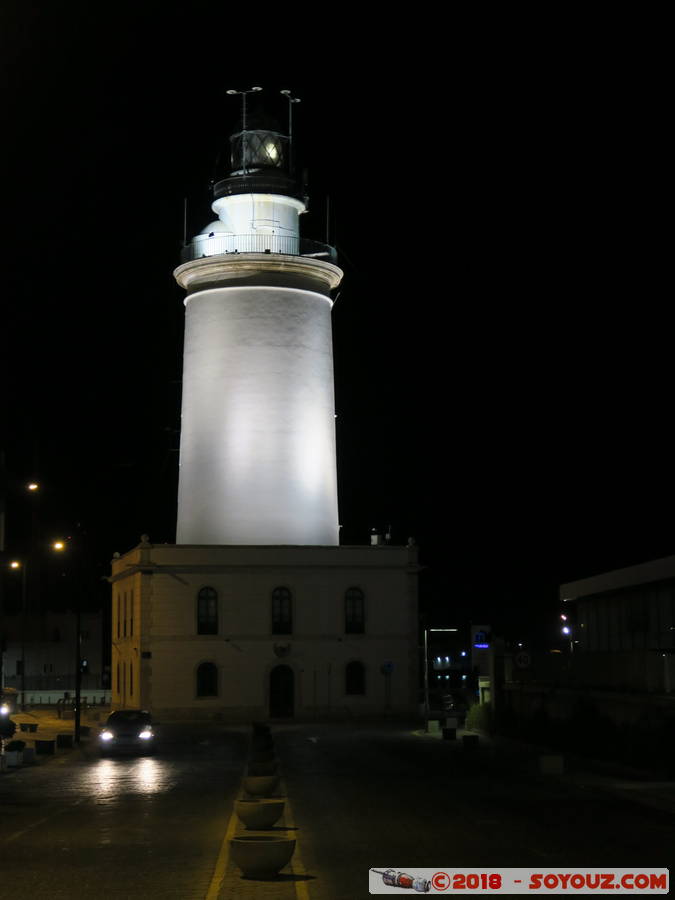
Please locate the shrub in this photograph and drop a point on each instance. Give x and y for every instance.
(15, 745)
(480, 718)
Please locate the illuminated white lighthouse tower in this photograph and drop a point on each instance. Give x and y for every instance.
(257, 450)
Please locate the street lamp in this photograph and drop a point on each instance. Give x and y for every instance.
(16, 564)
(291, 101)
(60, 546)
(426, 673)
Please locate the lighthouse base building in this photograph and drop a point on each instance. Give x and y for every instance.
(239, 633)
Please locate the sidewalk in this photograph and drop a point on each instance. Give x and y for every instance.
(49, 725)
(634, 785)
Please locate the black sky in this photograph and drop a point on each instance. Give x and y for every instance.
(503, 348)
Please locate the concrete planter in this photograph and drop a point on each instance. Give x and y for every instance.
(259, 813)
(261, 756)
(29, 756)
(260, 856)
(261, 742)
(14, 758)
(263, 768)
(260, 785)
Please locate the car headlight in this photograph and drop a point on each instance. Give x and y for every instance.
(4, 709)
(107, 735)
(146, 734)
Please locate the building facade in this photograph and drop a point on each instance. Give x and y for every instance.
(236, 632)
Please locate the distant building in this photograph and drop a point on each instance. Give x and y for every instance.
(613, 680)
(622, 627)
(49, 655)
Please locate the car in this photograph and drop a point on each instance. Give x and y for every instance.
(128, 730)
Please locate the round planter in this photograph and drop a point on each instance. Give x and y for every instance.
(259, 813)
(260, 785)
(261, 756)
(260, 856)
(263, 768)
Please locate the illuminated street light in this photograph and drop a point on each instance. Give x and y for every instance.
(17, 564)
(58, 545)
(426, 673)
(32, 486)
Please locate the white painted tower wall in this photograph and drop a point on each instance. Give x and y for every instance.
(257, 451)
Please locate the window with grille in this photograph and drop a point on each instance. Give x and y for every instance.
(354, 611)
(282, 612)
(355, 678)
(207, 611)
(207, 680)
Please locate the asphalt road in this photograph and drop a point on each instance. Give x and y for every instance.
(80, 826)
(362, 797)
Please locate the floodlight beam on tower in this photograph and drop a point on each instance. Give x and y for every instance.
(257, 452)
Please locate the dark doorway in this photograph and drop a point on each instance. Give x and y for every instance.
(281, 692)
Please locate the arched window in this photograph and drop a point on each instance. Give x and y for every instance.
(207, 611)
(354, 611)
(207, 680)
(282, 611)
(355, 678)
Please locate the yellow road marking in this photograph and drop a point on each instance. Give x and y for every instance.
(223, 857)
(297, 865)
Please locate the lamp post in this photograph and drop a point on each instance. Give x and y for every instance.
(60, 546)
(16, 564)
(426, 673)
(242, 94)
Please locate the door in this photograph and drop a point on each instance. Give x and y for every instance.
(282, 691)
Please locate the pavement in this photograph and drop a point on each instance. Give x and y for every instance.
(49, 725)
(636, 785)
(507, 755)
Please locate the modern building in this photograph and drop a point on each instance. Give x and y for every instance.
(256, 610)
(621, 626)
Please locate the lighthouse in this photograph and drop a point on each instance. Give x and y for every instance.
(257, 448)
(257, 611)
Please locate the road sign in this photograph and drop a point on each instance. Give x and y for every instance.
(387, 668)
(523, 659)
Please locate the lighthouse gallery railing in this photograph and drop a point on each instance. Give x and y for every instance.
(220, 244)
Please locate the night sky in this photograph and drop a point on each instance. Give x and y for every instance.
(503, 347)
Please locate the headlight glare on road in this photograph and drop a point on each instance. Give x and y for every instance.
(146, 734)
(106, 735)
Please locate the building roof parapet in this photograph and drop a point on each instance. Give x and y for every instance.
(644, 573)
